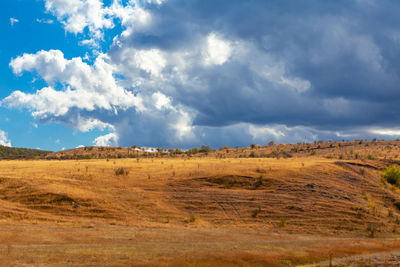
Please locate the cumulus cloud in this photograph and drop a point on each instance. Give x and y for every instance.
(110, 139)
(76, 15)
(4, 140)
(218, 50)
(79, 15)
(84, 87)
(89, 97)
(183, 73)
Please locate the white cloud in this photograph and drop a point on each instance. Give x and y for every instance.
(149, 60)
(13, 21)
(218, 50)
(110, 139)
(386, 131)
(161, 101)
(131, 15)
(4, 140)
(261, 132)
(86, 87)
(90, 43)
(76, 15)
(92, 97)
(34, 125)
(45, 21)
(88, 124)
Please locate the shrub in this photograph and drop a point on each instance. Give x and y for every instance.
(253, 155)
(88, 156)
(282, 222)
(275, 154)
(286, 154)
(121, 171)
(392, 175)
(397, 204)
(256, 212)
(371, 230)
(193, 217)
(259, 182)
(205, 148)
(390, 213)
(261, 170)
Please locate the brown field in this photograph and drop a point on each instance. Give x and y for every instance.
(198, 211)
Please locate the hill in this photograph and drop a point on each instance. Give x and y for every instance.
(388, 151)
(200, 210)
(21, 153)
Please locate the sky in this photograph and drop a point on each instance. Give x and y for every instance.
(183, 73)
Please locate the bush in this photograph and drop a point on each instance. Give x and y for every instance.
(392, 175)
(397, 204)
(371, 230)
(192, 217)
(253, 155)
(282, 222)
(205, 148)
(286, 154)
(121, 171)
(194, 150)
(256, 212)
(259, 182)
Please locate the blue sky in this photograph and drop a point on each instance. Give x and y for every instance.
(177, 73)
(35, 30)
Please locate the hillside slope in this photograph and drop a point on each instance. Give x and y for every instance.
(200, 211)
(346, 150)
(314, 195)
(21, 153)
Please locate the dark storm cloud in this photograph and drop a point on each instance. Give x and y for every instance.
(349, 51)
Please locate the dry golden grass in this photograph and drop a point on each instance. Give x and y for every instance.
(192, 211)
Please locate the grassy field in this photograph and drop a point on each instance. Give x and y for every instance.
(194, 211)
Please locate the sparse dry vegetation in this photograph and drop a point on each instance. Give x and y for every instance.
(190, 208)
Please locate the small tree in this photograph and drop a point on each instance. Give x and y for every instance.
(205, 148)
